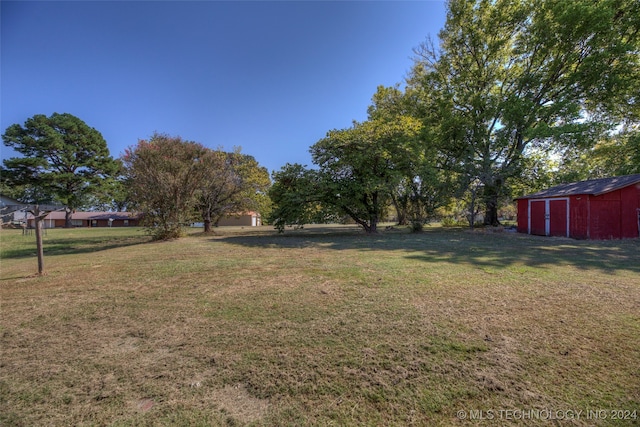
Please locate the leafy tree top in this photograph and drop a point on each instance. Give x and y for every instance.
(64, 158)
(508, 75)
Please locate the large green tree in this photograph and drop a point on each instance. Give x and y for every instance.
(64, 160)
(174, 182)
(617, 154)
(357, 170)
(164, 175)
(296, 198)
(423, 181)
(508, 76)
(231, 183)
(361, 165)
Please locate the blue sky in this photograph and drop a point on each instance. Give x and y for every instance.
(270, 77)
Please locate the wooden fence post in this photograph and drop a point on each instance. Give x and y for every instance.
(38, 216)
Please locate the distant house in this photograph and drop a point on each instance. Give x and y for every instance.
(11, 209)
(89, 219)
(607, 208)
(8, 201)
(247, 219)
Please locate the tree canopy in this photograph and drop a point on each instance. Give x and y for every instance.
(513, 96)
(360, 171)
(174, 182)
(512, 91)
(232, 182)
(296, 198)
(163, 176)
(508, 76)
(64, 160)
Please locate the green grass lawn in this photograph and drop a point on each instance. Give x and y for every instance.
(320, 326)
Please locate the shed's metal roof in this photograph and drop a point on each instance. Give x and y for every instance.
(593, 187)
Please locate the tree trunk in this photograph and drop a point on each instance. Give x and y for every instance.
(67, 218)
(373, 216)
(401, 211)
(369, 221)
(206, 220)
(491, 214)
(370, 226)
(491, 206)
(39, 246)
(38, 216)
(472, 210)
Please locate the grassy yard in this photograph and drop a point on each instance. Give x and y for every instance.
(322, 326)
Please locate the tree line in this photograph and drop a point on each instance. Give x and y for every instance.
(172, 182)
(512, 96)
(175, 181)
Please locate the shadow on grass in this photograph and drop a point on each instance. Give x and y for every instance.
(484, 249)
(71, 246)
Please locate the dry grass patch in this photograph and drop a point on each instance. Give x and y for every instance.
(316, 327)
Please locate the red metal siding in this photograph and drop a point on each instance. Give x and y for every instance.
(538, 222)
(630, 211)
(523, 216)
(613, 215)
(605, 219)
(605, 216)
(558, 218)
(579, 217)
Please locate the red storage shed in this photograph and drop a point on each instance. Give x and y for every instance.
(606, 208)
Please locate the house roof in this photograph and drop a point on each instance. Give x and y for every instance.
(13, 205)
(593, 187)
(92, 215)
(8, 201)
(113, 215)
(239, 214)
